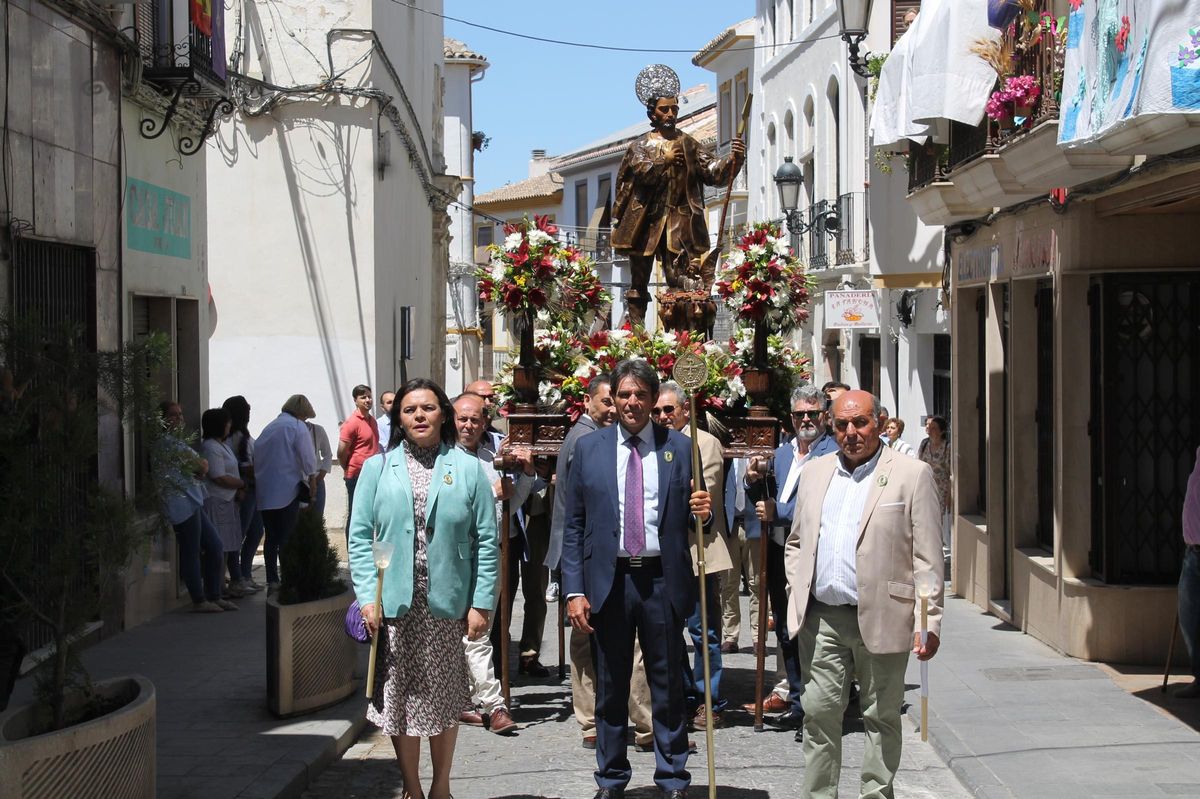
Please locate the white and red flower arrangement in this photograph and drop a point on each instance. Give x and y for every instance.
(761, 281)
(531, 271)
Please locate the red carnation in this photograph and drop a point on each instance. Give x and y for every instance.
(666, 363)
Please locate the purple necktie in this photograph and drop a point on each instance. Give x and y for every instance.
(635, 527)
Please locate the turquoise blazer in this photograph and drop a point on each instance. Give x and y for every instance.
(463, 547)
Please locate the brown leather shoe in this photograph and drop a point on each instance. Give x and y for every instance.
(699, 720)
(589, 742)
(501, 722)
(729, 648)
(772, 704)
(470, 718)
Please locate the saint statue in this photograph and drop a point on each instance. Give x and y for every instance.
(659, 207)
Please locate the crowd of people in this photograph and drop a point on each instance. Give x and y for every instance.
(424, 475)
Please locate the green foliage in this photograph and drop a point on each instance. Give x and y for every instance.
(875, 69)
(65, 536)
(308, 568)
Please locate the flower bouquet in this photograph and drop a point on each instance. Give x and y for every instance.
(761, 281)
(1013, 103)
(787, 366)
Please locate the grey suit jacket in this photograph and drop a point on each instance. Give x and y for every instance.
(900, 536)
(562, 472)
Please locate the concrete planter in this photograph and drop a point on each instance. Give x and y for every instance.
(112, 756)
(310, 659)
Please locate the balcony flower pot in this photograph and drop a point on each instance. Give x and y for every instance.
(310, 659)
(111, 755)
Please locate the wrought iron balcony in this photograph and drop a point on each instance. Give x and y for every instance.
(187, 65)
(853, 245)
(818, 237)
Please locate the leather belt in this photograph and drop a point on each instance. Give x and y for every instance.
(641, 563)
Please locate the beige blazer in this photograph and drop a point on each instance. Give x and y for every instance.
(899, 537)
(716, 552)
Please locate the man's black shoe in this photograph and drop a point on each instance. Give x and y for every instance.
(678, 793)
(800, 736)
(788, 720)
(610, 793)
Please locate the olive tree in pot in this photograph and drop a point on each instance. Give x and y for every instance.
(310, 659)
(66, 538)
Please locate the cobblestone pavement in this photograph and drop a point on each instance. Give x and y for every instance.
(546, 759)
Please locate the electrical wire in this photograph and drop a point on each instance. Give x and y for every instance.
(612, 48)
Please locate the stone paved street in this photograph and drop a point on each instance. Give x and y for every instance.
(546, 759)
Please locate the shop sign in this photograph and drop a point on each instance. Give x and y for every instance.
(851, 309)
(978, 266)
(157, 220)
(1037, 253)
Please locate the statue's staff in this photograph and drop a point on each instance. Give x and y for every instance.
(708, 265)
(690, 373)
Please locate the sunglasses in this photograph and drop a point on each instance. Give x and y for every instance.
(841, 424)
(667, 409)
(807, 414)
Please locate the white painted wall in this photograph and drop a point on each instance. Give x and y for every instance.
(800, 79)
(314, 249)
(462, 350)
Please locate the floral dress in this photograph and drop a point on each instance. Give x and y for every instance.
(938, 459)
(421, 682)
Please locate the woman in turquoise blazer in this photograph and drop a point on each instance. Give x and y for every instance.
(435, 503)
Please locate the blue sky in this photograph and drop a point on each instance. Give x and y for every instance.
(556, 98)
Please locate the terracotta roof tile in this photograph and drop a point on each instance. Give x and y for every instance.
(532, 188)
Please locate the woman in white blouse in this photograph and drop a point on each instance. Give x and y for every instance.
(324, 462)
(224, 483)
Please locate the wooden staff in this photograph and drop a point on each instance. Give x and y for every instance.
(690, 373)
(381, 552)
(760, 646)
(1170, 653)
(709, 261)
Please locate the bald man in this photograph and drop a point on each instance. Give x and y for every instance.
(867, 522)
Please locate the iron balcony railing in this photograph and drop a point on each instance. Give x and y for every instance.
(818, 238)
(853, 245)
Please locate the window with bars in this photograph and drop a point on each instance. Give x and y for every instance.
(1144, 427)
(1044, 416)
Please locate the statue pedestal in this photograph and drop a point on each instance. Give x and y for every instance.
(681, 310)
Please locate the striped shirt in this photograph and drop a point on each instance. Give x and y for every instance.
(834, 582)
(1191, 506)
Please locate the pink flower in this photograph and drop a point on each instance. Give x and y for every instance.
(1123, 35)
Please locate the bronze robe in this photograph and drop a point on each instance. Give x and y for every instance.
(655, 197)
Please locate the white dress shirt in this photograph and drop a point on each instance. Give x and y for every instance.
(522, 485)
(834, 581)
(793, 475)
(385, 431)
(649, 488)
(283, 458)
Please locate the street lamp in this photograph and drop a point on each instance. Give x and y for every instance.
(853, 18)
(789, 179)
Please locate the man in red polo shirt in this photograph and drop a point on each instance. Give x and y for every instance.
(357, 441)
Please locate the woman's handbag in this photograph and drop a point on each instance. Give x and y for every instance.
(356, 625)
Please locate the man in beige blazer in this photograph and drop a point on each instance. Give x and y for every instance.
(867, 521)
(671, 409)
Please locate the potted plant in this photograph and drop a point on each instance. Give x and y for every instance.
(310, 659)
(66, 538)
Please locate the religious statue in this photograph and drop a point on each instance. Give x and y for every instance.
(659, 207)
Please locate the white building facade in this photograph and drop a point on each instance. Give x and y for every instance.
(464, 67)
(329, 247)
(809, 106)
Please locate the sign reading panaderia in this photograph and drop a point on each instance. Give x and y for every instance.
(157, 220)
(851, 309)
